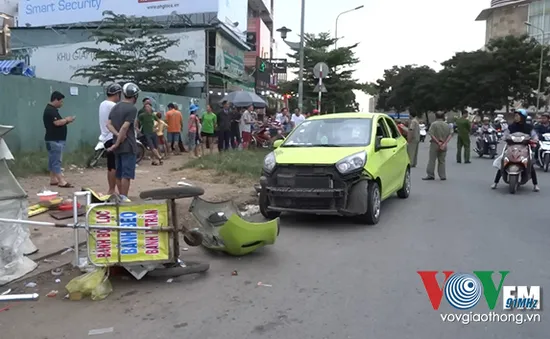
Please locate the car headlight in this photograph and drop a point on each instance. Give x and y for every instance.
(352, 162)
(269, 162)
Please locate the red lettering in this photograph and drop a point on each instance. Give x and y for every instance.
(103, 254)
(435, 293)
(151, 252)
(103, 235)
(103, 217)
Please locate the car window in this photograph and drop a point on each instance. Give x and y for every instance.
(333, 132)
(394, 132)
(381, 130)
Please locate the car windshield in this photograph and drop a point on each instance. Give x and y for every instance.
(336, 132)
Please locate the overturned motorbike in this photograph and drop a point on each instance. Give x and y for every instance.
(486, 144)
(516, 161)
(544, 152)
(101, 152)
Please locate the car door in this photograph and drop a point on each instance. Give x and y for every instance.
(382, 158)
(400, 158)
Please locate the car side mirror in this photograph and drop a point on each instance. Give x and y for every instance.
(277, 143)
(386, 143)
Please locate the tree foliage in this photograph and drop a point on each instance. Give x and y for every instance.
(504, 73)
(132, 49)
(340, 82)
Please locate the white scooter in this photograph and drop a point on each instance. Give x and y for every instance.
(422, 132)
(544, 152)
(101, 152)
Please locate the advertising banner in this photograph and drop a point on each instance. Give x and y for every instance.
(229, 58)
(231, 12)
(60, 62)
(63, 12)
(135, 246)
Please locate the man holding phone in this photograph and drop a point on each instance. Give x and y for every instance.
(56, 136)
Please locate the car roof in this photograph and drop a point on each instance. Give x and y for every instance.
(355, 115)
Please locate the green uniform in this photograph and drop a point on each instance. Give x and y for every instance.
(440, 130)
(147, 123)
(209, 120)
(412, 146)
(463, 139)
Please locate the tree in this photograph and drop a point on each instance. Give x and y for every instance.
(131, 50)
(340, 82)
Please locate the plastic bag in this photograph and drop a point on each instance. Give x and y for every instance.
(95, 284)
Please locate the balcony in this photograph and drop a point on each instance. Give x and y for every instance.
(262, 9)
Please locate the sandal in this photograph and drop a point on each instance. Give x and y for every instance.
(54, 183)
(67, 185)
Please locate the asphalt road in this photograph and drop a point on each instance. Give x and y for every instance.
(331, 278)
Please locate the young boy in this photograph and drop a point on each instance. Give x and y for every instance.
(160, 127)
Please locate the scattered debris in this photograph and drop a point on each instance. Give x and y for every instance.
(57, 271)
(183, 183)
(50, 261)
(186, 249)
(52, 294)
(170, 280)
(95, 284)
(6, 292)
(57, 281)
(250, 210)
(31, 285)
(70, 249)
(264, 285)
(234, 273)
(99, 331)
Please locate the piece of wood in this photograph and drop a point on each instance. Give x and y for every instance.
(61, 215)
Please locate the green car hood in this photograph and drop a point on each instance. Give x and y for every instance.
(314, 155)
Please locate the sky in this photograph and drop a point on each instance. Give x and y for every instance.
(389, 32)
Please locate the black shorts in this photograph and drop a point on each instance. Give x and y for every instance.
(208, 135)
(111, 159)
(152, 140)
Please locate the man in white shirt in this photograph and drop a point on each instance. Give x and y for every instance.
(297, 118)
(246, 126)
(113, 96)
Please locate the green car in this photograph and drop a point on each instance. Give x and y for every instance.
(339, 164)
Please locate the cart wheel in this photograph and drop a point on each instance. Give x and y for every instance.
(191, 267)
(179, 192)
(193, 238)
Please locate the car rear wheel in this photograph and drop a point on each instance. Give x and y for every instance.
(374, 199)
(405, 191)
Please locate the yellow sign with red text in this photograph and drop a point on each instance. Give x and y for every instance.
(105, 246)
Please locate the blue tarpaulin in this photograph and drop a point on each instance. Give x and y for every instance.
(16, 67)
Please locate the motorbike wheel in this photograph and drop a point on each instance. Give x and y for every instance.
(140, 153)
(493, 153)
(94, 159)
(546, 162)
(513, 183)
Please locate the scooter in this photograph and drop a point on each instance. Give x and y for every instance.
(516, 161)
(422, 133)
(101, 152)
(543, 155)
(486, 144)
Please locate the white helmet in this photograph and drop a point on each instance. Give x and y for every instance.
(130, 90)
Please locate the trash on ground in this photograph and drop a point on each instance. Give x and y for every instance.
(95, 284)
(250, 210)
(170, 280)
(57, 281)
(183, 183)
(30, 285)
(6, 292)
(52, 294)
(264, 285)
(70, 249)
(99, 331)
(234, 273)
(57, 271)
(50, 261)
(186, 248)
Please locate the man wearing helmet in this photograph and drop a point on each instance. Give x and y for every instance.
(121, 124)
(113, 96)
(520, 125)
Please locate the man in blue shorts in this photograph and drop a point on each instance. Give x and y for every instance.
(121, 124)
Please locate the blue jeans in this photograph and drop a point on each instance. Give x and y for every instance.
(174, 137)
(55, 155)
(125, 166)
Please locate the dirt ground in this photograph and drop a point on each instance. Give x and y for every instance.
(217, 188)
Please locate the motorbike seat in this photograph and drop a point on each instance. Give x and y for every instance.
(172, 193)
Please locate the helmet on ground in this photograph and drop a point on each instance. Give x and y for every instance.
(130, 90)
(113, 89)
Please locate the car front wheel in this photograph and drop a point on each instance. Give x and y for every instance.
(405, 191)
(264, 208)
(374, 199)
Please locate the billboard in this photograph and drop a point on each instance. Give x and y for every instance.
(231, 12)
(229, 58)
(60, 62)
(64, 12)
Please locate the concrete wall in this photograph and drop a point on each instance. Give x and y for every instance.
(22, 103)
(507, 21)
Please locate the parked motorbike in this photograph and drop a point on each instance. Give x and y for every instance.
(543, 155)
(516, 161)
(486, 144)
(262, 136)
(100, 152)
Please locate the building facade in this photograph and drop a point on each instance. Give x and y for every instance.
(508, 17)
